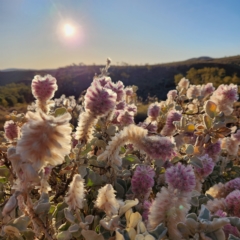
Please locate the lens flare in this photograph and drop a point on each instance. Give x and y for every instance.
(69, 30)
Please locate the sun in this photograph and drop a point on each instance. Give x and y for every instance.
(69, 30)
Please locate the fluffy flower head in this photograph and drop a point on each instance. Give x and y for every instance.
(184, 83)
(169, 127)
(11, 130)
(181, 177)
(107, 201)
(75, 194)
(194, 91)
(121, 105)
(98, 100)
(171, 95)
(118, 88)
(233, 203)
(159, 147)
(207, 168)
(125, 118)
(129, 91)
(232, 185)
(45, 139)
(142, 180)
(207, 89)
(224, 97)
(151, 127)
(43, 88)
(213, 150)
(154, 110)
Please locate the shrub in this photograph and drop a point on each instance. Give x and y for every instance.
(173, 176)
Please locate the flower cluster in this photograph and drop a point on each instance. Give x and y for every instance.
(224, 97)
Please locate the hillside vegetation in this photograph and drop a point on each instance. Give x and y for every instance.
(152, 80)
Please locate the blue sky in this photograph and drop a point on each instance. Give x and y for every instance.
(133, 31)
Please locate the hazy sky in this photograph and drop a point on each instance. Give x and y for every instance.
(32, 32)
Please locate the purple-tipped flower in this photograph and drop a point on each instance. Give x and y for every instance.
(142, 181)
(213, 150)
(220, 213)
(98, 100)
(233, 203)
(115, 117)
(11, 130)
(207, 168)
(171, 95)
(229, 229)
(169, 127)
(181, 177)
(121, 105)
(194, 91)
(151, 127)
(224, 97)
(43, 88)
(159, 147)
(146, 208)
(129, 91)
(207, 89)
(118, 88)
(132, 108)
(153, 111)
(125, 118)
(232, 185)
(103, 81)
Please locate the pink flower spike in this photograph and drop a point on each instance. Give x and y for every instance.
(184, 83)
(159, 147)
(121, 105)
(43, 88)
(171, 95)
(11, 130)
(207, 168)
(181, 177)
(169, 127)
(118, 88)
(125, 118)
(129, 91)
(132, 108)
(98, 100)
(153, 111)
(232, 185)
(142, 181)
(207, 89)
(233, 203)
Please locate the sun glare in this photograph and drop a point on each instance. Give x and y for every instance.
(69, 30)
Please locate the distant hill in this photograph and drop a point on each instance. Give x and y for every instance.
(151, 79)
(200, 59)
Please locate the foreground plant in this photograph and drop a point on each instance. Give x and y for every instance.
(85, 170)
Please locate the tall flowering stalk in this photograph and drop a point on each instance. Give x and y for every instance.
(142, 181)
(43, 89)
(106, 200)
(99, 101)
(75, 195)
(155, 147)
(171, 204)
